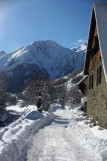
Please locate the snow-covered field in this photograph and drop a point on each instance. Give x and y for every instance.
(70, 136)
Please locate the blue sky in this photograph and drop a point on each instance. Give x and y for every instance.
(25, 21)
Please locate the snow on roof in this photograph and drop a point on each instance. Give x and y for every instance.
(84, 77)
(100, 9)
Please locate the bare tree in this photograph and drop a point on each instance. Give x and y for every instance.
(59, 93)
(33, 88)
(73, 97)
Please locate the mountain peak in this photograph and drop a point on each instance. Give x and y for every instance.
(81, 48)
(41, 57)
(2, 53)
(45, 43)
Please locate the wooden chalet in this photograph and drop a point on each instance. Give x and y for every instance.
(96, 66)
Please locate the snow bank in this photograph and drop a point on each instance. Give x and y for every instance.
(83, 100)
(99, 132)
(94, 137)
(17, 109)
(16, 137)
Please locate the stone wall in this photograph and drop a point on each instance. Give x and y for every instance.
(96, 98)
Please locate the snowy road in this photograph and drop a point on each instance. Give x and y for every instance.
(55, 142)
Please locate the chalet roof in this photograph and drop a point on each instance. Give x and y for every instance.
(101, 20)
(81, 84)
(84, 77)
(100, 14)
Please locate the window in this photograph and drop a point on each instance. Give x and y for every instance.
(91, 82)
(106, 103)
(99, 76)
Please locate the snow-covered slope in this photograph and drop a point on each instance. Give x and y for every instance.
(45, 57)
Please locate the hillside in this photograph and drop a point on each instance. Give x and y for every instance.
(40, 58)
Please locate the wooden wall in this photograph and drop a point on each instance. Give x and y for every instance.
(97, 57)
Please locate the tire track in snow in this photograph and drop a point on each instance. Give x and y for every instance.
(55, 143)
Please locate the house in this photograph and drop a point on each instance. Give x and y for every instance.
(96, 66)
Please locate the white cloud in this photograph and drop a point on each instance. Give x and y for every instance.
(81, 41)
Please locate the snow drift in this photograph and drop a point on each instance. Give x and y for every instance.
(15, 138)
(93, 137)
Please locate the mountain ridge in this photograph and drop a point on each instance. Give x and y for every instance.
(45, 57)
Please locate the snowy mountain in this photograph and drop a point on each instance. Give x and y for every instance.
(41, 57)
(2, 53)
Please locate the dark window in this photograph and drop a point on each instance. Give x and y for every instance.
(99, 76)
(106, 103)
(91, 82)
